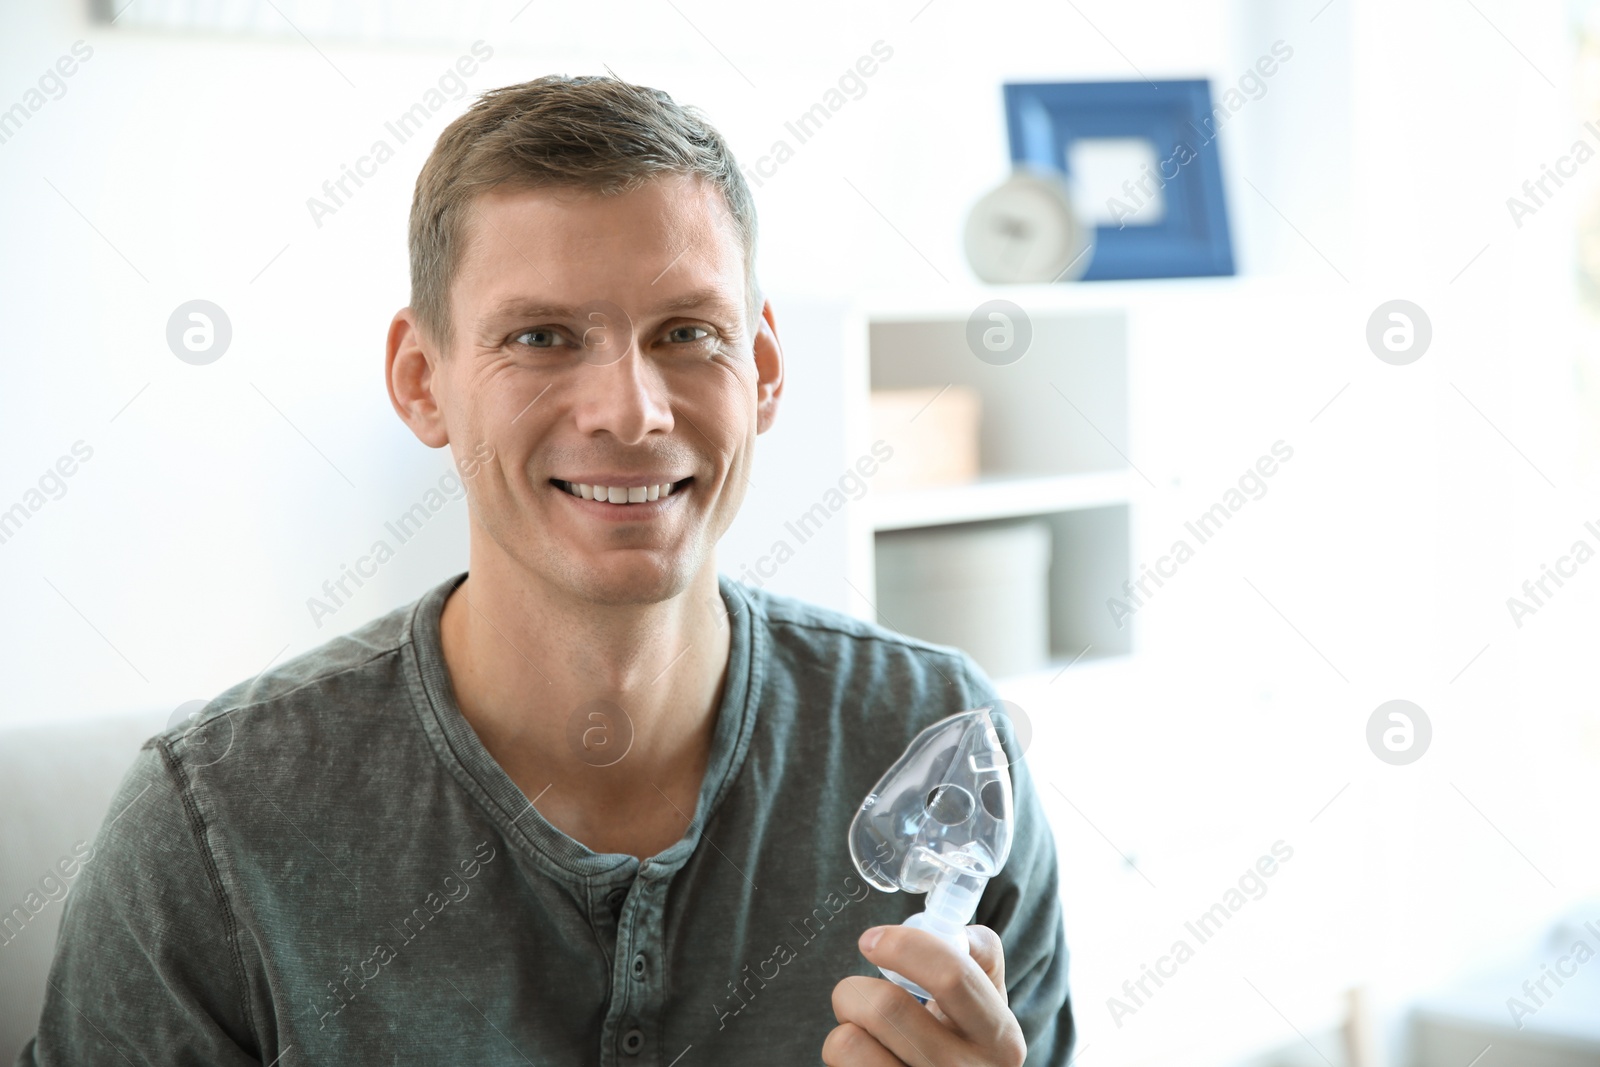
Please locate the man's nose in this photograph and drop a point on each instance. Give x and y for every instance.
(623, 393)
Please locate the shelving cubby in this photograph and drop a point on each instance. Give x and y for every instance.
(1053, 442)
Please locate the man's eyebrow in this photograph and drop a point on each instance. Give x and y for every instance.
(697, 298)
(518, 307)
(525, 309)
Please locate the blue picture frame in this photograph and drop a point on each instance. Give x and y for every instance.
(1192, 238)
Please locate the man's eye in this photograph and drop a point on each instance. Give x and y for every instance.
(687, 334)
(541, 338)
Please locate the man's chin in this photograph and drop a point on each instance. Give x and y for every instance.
(617, 583)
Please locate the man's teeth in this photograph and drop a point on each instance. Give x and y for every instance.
(636, 494)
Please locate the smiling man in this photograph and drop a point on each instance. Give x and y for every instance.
(589, 801)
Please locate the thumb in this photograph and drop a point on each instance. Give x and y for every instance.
(990, 954)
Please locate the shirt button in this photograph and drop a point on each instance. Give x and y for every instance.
(633, 1041)
(638, 965)
(615, 899)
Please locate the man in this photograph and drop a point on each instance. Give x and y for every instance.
(559, 810)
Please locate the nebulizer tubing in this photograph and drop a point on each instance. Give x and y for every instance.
(939, 822)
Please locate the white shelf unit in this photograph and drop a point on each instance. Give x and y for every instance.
(999, 496)
(1053, 441)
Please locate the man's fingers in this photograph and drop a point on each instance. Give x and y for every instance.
(848, 1045)
(989, 954)
(964, 990)
(894, 1019)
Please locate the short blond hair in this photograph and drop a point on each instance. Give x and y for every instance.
(590, 132)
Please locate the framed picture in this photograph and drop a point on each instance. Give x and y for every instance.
(1143, 159)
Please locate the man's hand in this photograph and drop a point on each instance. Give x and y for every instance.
(965, 1024)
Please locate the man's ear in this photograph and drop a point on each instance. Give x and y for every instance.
(409, 368)
(769, 369)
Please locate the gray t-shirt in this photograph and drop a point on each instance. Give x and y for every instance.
(330, 868)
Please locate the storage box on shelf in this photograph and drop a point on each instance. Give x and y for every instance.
(1053, 440)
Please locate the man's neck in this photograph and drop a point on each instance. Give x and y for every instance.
(532, 668)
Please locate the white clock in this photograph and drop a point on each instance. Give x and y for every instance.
(1027, 230)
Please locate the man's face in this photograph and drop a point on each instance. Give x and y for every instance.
(603, 341)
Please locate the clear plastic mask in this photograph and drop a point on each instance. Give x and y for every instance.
(939, 822)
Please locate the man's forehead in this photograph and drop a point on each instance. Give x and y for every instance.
(671, 239)
(683, 212)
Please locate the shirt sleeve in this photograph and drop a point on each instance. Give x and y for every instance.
(145, 968)
(1023, 905)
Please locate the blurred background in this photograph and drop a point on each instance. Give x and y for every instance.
(171, 510)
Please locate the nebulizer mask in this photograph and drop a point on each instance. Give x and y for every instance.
(939, 822)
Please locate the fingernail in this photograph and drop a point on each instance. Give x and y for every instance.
(870, 938)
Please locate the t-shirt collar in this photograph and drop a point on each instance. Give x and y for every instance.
(464, 755)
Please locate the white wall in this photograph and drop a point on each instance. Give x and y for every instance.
(194, 536)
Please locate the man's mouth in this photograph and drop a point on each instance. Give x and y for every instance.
(621, 495)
